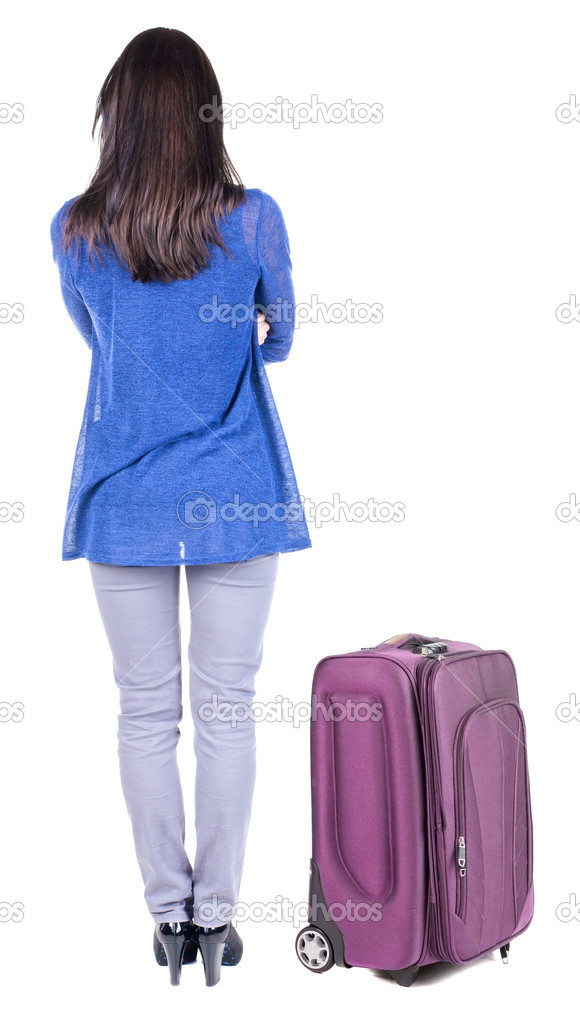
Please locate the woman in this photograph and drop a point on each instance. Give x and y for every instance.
(181, 460)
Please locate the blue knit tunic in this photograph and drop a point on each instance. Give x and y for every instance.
(181, 456)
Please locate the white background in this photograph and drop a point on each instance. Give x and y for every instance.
(459, 214)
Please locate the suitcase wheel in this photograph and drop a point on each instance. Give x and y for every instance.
(314, 950)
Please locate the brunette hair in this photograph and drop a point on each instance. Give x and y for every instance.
(164, 178)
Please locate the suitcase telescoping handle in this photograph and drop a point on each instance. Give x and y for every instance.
(426, 646)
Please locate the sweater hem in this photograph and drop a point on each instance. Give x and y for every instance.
(107, 559)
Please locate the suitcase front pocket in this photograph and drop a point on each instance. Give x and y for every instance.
(492, 837)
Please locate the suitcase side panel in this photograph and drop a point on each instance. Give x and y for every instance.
(368, 808)
(485, 802)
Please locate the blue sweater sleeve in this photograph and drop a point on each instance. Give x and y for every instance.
(275, 290)
(73, 299)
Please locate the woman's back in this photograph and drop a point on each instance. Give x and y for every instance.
(181, 456)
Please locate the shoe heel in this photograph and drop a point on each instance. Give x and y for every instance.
(174, 947)
(189, 953)
(174, 952)
(211, 945)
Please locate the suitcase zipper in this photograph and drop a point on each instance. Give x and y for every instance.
(437, 823)
(425, 676)
(461, 822)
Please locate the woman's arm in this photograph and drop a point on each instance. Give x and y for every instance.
(275, 290)
(73, 299)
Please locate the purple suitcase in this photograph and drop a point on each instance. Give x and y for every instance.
(421, 817)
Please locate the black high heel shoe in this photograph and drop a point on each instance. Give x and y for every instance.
(233, 949)
(218, 946)
(189, 954)
(175, 944)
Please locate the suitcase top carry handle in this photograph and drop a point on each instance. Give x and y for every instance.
(426, 646)
(408, 639)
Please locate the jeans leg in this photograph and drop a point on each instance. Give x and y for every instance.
(229, 604)
(139, 606)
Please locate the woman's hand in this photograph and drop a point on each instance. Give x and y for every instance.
(263, 328)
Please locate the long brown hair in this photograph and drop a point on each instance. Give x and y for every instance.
(164, 177)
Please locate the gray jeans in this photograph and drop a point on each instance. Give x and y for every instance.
(229, 605)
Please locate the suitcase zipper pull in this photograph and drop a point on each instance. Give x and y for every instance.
(461, 855)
